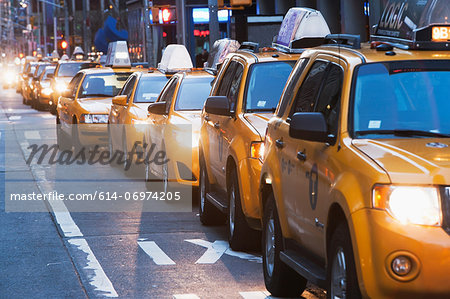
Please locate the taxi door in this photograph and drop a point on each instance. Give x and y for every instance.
(65, 104)
(159, 121)
(217, 124)
(312, 162)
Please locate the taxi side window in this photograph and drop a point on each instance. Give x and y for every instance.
(308, 91)
(73, 85)
(329, 98)
(234, 87)
(299, 68)
(169, 92)
(128, 88)
(226, 79)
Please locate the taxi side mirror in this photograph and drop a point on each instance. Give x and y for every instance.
(157, 108)
(67, 94)
(120, 100)
(309, 126)
(30, 75)
(219, 105)
(50, 76)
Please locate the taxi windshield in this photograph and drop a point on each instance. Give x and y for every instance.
(68, 69)
(40, 69)
(193, 93)
(149, 88)
(265, 85)
(402, 98)
(103, 85)
(48, 70)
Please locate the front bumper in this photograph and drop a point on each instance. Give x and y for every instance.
(380, 238)
(93, 134)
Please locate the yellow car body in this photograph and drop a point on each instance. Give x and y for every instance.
(83, 119)
(127, 119)
(231, 145)
(346, 182)
(175, 129)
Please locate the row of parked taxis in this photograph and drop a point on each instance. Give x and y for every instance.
(334, 154)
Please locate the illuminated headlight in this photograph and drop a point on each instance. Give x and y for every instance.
(139, 125)
(257, 150)
(47, 91)
(94, 118)
(60, 86)
(409, 204)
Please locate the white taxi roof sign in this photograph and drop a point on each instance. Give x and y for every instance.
(301, 24)
(118, 55)
(175, 57)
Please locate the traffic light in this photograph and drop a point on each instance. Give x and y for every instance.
(64, 45)
(168, 15)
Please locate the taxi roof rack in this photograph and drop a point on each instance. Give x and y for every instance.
(249, 47)
(343, 40)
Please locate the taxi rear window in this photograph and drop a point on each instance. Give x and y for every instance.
(402, 98)
(149, 88)
(265, 83)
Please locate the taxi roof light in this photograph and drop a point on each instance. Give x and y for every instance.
(301, 28)
(175, 57)
(118, 55)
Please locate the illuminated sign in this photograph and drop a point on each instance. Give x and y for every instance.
(440, 33)
(201, 15)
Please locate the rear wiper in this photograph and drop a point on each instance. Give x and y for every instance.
(261, 110)
(403, 133)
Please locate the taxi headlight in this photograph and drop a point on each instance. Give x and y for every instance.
(94, 118)
(257, 150)
(47, 91)
(409, 204)
(60, 86)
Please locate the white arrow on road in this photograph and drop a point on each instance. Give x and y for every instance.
(155, 253)
(214, 252)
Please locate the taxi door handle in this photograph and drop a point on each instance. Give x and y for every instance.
(279, 143)
(301, 156)
(217, 125)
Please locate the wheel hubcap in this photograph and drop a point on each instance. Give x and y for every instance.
(232, 210)
(339, 275)
(270, 245)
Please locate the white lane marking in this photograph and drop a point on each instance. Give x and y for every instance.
(186, 296)
(255, 295)
(32, 135)
(155, 253)
(15, 117)
(95, 273)
(48, 116)
(214, 252)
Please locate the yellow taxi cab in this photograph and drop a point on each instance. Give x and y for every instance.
(129, 113)
(83, 109)
(174, 128)
(28, 76)
(42, 89)
(243, 98)
(356, 176)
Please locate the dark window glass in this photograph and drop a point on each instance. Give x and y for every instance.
(308, 91)
(149, 88)
(226, 79)
(193, 93)
(103, 85)
(329, 98)
(73, 85)
(265, 84)
(68, 69)
(234, 87)
(127, 89)
(289, 93)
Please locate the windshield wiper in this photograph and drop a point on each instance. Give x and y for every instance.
(261, 110)
(403, 133)
(96, 95)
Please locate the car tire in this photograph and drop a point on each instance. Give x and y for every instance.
(341, 271)
(77, 146)
(279, 278)
(209, 214)
(240, 235)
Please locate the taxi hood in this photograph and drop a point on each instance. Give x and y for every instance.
(96, 105)
(259, 121)
(187, 117)
(410, 161)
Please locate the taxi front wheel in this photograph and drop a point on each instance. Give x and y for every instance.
(280, 279)
(341, 271)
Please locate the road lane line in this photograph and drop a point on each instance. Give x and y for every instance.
(214, 252)
(94, 270)
(155, 253)
(186, 296)
(32, 135)
(15, 117)
(255, 295)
